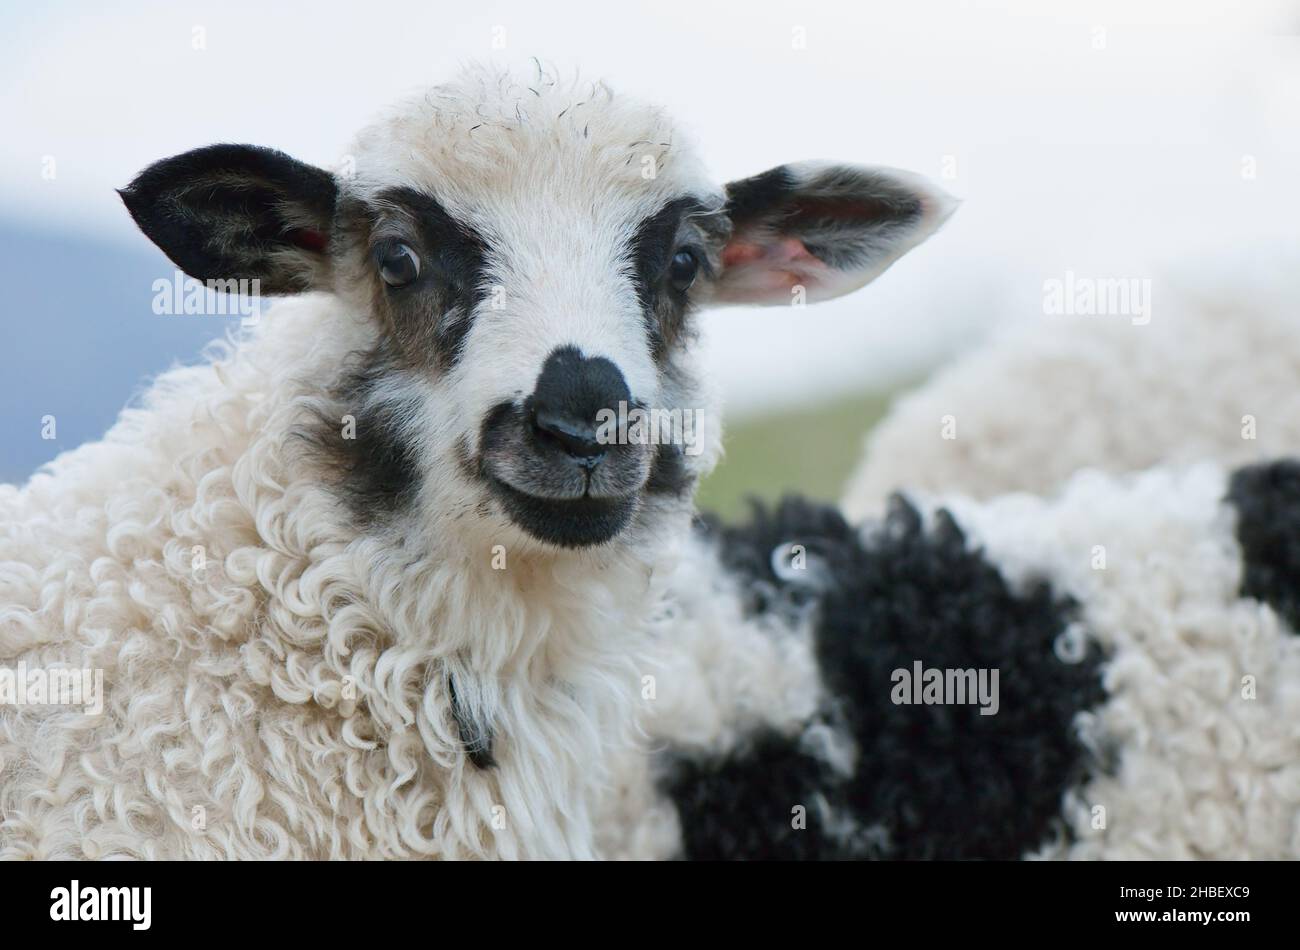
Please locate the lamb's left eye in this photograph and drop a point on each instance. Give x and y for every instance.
(398, 264)
(682, 269)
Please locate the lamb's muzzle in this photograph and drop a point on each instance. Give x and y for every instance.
(547, 463)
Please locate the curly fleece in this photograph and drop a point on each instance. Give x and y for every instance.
(275, 685)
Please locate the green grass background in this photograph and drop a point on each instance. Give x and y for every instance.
(810, 450)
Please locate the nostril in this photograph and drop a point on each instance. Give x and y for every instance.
(576, 437)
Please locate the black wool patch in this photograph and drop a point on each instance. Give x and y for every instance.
(942, 780)
(745, 550)
(755, 803)
(1267, 499)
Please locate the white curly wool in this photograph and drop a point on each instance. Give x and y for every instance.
(1202, 718)
(1211, 376)
(267, 675)
(239, 623)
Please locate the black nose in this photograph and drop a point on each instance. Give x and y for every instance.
(566, 402)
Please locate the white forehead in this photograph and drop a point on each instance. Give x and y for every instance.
(504, 150)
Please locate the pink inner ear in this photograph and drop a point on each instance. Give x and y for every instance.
(760, 269)
(781, 251)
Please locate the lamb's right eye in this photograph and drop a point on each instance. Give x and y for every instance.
(398, 264)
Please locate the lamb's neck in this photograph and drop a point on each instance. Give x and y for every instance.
(531, 684)
(502, 617)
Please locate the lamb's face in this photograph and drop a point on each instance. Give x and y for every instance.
(535, 277)
(531, 257)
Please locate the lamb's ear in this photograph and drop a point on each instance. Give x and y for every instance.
(827, 228)
(238, 212)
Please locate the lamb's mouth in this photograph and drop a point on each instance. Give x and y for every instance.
(569, 522)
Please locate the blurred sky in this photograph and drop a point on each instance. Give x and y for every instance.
(1105, 137)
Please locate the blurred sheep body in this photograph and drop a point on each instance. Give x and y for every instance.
(1211, 376)
(1116, 676)
(1094, 455)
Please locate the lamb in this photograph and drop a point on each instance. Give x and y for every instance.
(1109, 673)
(367, 583)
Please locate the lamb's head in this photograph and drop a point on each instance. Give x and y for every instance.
(529, 257)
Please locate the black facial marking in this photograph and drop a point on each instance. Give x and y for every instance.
(1267, 499)
(932, 781)
(369, 458)
(652, 250)
(668, 474)
(231, 212)
(432, 313)
(474, 735)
